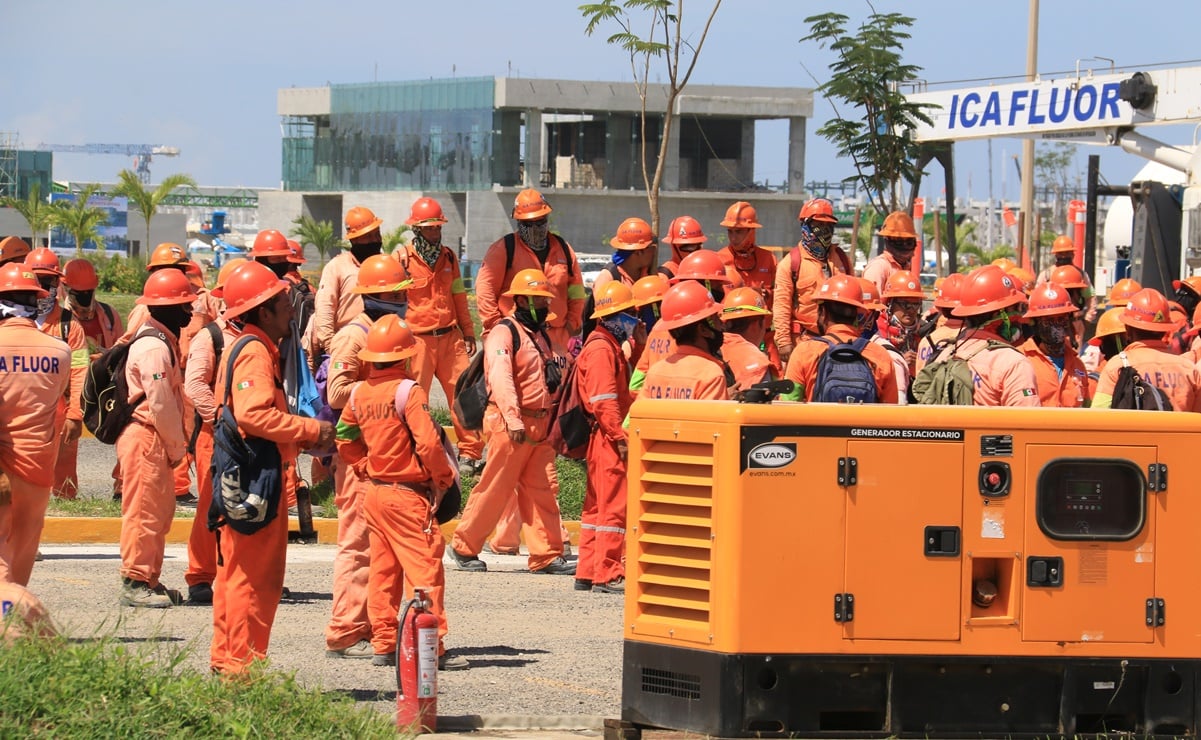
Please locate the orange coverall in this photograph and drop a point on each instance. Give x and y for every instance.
(520, 402)
(659, 346)
(603, 375)
(1066, 389)
(147, 449)
(880, 268)
(748, 363)
(348, 622)
(756, 270)
(334, 305)
(802, 366)
(439, 318)
(66, 483)
(400, 463)
(251, 581)
(99, 331)
(1002, 377)
(689, 373)
(199, 379)
(1173, 374)
(792, 308)
(34, 374)
(566, 283)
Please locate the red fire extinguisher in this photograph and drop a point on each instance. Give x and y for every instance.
(417, 666)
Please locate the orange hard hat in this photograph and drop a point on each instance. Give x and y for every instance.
(650, 289)
(1025, 278)
(632, 235)
(1062, 244)
(1122, 290)
(1049, 299)
(360, 220)
(871, 295)
(529, 282)
(741, 215)
(845, 289)
(612, 297)
(898, 225)
(1069, 276)
(79, 274)
(389, 339)
(167, 254)
(167, 288)
(270, 243)
(686, 303)
(13, 247)
(24, 614)
(1004, 263)
(425, 212)
(902, 284)
(988, 289)
(947, 295)
(1110, 322)
(1192, 282)
(530, 205)
(685, 230)
(381, 273)
(742, 303)
(251, 284)
(818, 209)
(43, 261)
(1148, 309)
(15, 277)
(227, 269)
(295, 252)
(702, 264)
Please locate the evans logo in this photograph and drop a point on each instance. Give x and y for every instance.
(772, 455)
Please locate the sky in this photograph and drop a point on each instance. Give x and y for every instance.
(203, 77)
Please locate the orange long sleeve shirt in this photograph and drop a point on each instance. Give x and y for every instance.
(690, 373)
(880, 268)
(802, 366)
(603, 375)
(152, 368)
(34, 375)
(335, 304)
(437, 299)
(566, 285)
(200, 375)
(757, 270)
(792, 307)
(1066, 389)
(1173, 374)
(374, 441)
(515, 380)
(345, 368)
(77, 342)
(748, 363)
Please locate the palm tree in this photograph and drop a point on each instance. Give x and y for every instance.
(82, 221)
(147, 200)
(308, 230)
(37, 211)
(395, 237)
(965, 236)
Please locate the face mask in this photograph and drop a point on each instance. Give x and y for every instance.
(816, 238)
(82, 298)
(621, 325)
(279, 268)
(46, 305)
(533, 233)
(173, 318)
(1052, 337)
(1188, 300)
(377, 309)
(364, 250)
(537, 316)
(9, 309)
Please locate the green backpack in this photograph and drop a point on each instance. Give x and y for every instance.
(949, 382)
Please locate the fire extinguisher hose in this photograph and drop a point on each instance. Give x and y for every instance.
(404, 613)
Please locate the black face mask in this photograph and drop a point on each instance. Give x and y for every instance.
(364, 250)
(82, 297)
(173, 318)
(534, 318)
(279, 268)
(377, 309)
(1188, 300)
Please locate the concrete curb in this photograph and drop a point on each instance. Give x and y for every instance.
(473, 722)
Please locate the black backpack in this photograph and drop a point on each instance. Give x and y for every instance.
(471, 390)
(1130, 391)
(107, 407)
(843, 375)
(247, 471)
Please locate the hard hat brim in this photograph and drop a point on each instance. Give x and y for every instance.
(266, 295)
(356, 233)
(531, 293)
(691, 318)
(600, 313)
(400, 354)
(627, 247)
(372, 289)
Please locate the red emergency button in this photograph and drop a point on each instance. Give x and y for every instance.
(993, 480)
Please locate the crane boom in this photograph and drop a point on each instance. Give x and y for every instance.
(142, 153)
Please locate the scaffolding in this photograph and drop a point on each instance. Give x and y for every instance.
(8, 165)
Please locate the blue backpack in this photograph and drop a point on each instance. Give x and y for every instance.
(843, 375)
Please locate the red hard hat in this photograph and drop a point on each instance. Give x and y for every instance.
(389, 339)
(24, 614)
(80, 275)
(950, 290)
(1148, 309)
(818, 209)
(1192, 282)
(15, 277)
(296, 252)
(1049, 299)
(685, 230)
(988, 289)
(530, 205)
(381, 273)
(686, 303)
(632, 235)
(1069, 276)
(43, 261)
(741, 215)
(250, 285)
(270, 243)
(167, 288)
(167, 254)
(743, 302)
(702, 264)
(425, 212)
(871, 295)
(845, 289)
(1062, 244)
(360, 221)
(902, 284)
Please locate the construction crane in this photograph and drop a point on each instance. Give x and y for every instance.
(141, 153)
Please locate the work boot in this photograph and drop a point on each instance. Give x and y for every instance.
(175, 596)
(469, 563)
(557, 567)
(615, 586)
(448, 662)
(469, 468)
(583, 584)
(187, 501)
(361, 649)
(200, 593)
(139, 594)
(384, 658)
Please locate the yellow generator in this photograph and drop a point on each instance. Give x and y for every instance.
(874, 571)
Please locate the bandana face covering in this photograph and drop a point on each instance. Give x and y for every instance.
(45, 305)
(621, 325)
(1053, 336)
(533, 233)
(377, 309)
(427, 250)
(364, 250)
(9, 310)
(816, 238)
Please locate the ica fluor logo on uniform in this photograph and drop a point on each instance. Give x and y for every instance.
(772, 455)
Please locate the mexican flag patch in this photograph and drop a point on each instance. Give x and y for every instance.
(245, 384)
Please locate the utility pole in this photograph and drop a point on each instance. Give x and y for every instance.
(1028, 144)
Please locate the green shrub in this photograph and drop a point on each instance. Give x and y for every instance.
(119, 274)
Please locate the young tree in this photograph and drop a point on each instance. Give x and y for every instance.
(82, 221)
(1054, 168)
(36, 210)
(865, 75)
(145, 199)
(664, 39)
(308, 230)
(393, 238)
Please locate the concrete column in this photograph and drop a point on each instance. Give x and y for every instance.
(671, 165)
(796, 155)
(746, 153)
(535, 150)
(619, 152)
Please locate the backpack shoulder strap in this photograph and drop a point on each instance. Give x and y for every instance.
(795, 263)
(403, 389)
(153, 333)
(229, 362)
(613, 271)
(218, 338)
(510, 247)
(567, 251)
(109, 312)
(860, 344)
(65, 323)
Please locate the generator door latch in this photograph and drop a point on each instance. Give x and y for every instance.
(1156, 613)
(848, 471)
(1157, 477)
(844, 607)
(1044, 572)
(941, 542)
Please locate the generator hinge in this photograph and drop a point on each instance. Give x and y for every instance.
(1156, 613)
(844, 607)
(1157, 477)
(848, 471)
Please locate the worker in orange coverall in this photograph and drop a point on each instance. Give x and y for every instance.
(199, 378)
(439, 318)
(603, 384)
(336, 303)
(56, 322)
(34, 374)
(250, 571)
(382, 285)
(154, 442)
(746, 319)
(695, 370)
(405, 471)
(521, 386)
